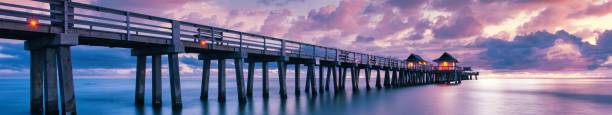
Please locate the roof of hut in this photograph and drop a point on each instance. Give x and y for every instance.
(414, 58)
(446, 57)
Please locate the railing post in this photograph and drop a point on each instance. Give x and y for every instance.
(240, 48)
(128, 27)
(282, 48)
(212, 35)
(265, 46)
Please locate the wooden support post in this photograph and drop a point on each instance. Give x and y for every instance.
(367, 75)
(312, 80)
(335, 77)
(328, 77)
(205, 79)
(387, 82)
(50, 82)
(355, 78)
(402, 78)
(37, 66)
(250, 78)
(221, 80)
(340, 74)
(175, 80)
(156, 80)
(265, 88)
(238, 67)
(308, 75)
(282, 74)
(394, 77)
(353, 73)
(343, 80)
(297, 79)
(378, 84)
(321, 88)
(141, 66)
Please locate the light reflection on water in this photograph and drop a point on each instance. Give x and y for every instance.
(482, 97)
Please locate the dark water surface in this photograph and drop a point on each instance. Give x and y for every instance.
(482, 97)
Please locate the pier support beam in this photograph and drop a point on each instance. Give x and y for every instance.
(297, 79)
(329, 72)
(387, 82)
(354, 78)
(335, 77)
(66, 81)
(250, 78)
(53, 60)
(205, 79)
(282, 74)
(308, 75)
(378, 84)
(156, 80)
(312, 80)
(51, 82)
(321, 87)
(141, 66)
(221, 80)
(175, 81)
(343, 76)
(265, 89)
(367, 75)
(37, 66)
(357, 72)
(238, 64)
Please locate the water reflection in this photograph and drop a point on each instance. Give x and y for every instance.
(483, 97)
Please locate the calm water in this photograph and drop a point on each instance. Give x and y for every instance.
(482, 97)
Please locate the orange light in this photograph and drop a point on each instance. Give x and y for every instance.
(203, 43)
(32, 22)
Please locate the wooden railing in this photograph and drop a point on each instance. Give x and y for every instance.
(90, 17)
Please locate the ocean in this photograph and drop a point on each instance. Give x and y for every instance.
(475, 97)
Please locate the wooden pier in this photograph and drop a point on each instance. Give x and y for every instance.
(50, 35)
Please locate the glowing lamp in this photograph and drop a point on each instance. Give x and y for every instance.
(33, 22)
(203, 43)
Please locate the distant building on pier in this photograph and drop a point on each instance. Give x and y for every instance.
(446, 62)
(414, 61)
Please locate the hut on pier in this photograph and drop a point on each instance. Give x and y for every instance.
(415, 61)
(446, 62)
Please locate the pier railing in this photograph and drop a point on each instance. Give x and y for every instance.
(90, 17)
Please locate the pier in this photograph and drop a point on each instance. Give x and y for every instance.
(50, 33)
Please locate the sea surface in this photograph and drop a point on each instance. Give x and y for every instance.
(481, 97)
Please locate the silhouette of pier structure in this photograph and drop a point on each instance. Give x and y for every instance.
(49, 33)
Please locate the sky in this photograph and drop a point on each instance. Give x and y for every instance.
(501, 38)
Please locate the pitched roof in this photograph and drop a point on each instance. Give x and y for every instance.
(446, 57)
(414, 58)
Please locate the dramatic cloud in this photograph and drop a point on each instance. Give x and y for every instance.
(545, 51)
(497, 35)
